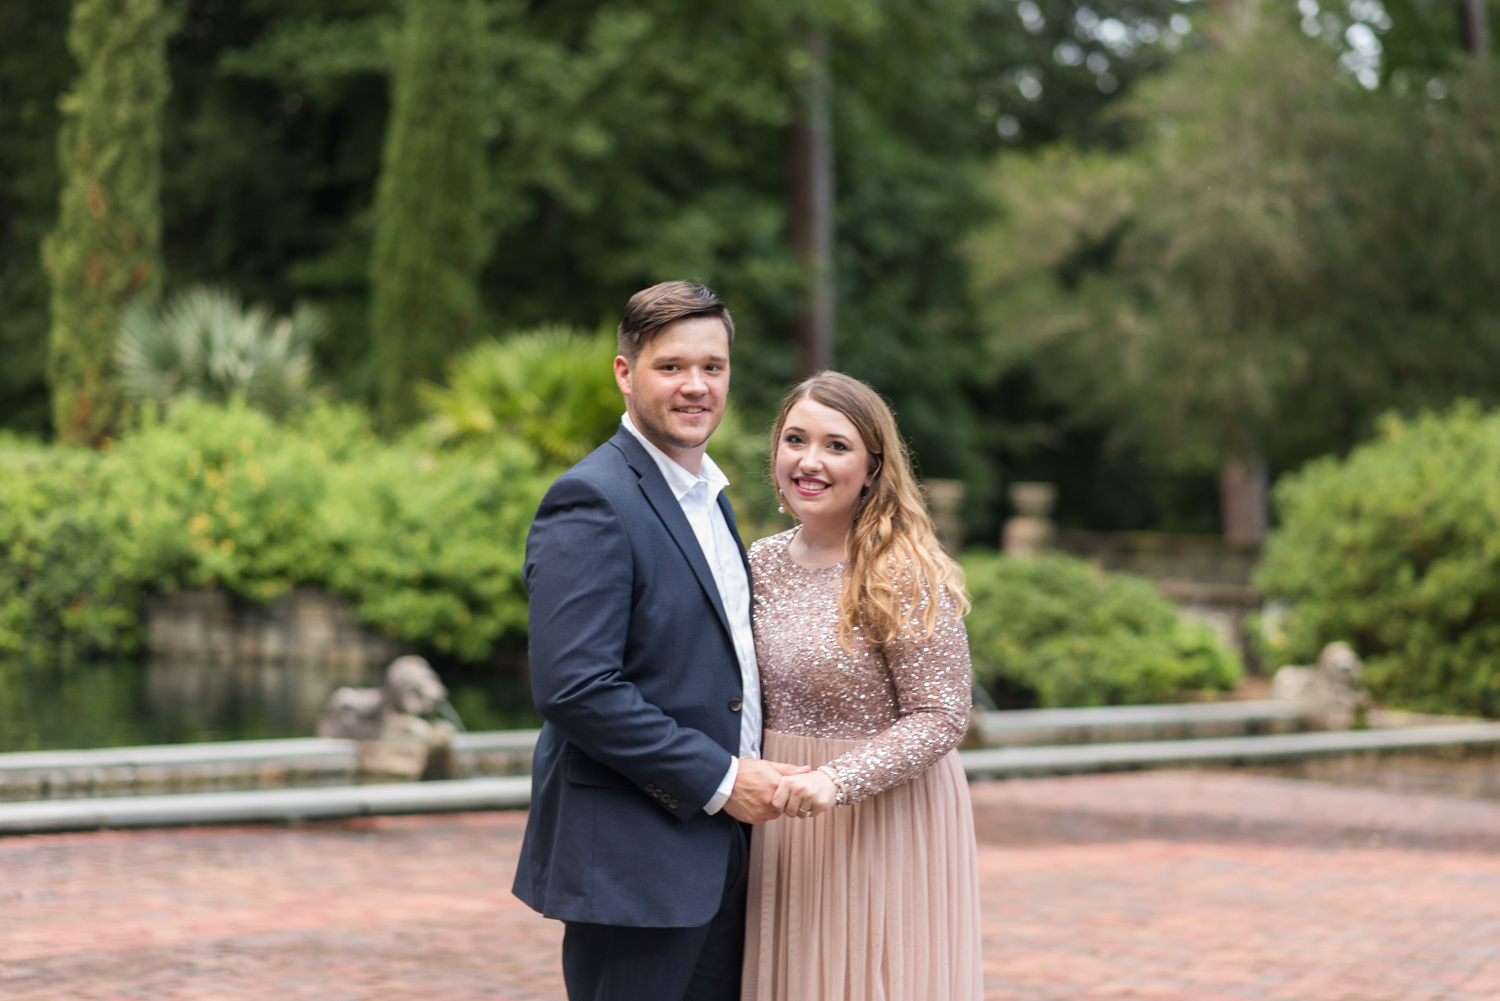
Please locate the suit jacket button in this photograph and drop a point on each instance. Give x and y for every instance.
(734, 705)
(650, 788)
(673, 804)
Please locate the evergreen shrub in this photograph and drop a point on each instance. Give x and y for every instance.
(554, 389)
(428, 545)
(429, 203)
(1070, 634)
(1396, 550)
(106, 249)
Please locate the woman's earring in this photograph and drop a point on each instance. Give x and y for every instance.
(780, 503)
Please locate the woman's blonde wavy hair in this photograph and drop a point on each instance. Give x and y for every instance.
(894, 556)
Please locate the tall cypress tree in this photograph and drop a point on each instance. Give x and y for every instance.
(106, 249)
(429, 228)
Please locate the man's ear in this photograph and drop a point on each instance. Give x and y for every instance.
(622, 374)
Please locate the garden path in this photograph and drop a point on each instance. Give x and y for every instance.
(1168, 885)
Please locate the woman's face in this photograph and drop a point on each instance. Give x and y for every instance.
(822, 464)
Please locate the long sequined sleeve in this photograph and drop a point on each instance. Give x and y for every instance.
(934, 690)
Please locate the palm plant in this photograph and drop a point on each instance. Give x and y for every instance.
(554, 389)
(551, 387)
(204, 343)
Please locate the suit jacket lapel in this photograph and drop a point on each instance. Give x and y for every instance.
(660, 495)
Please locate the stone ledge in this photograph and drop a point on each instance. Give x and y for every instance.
(1108, 724)
(265, 806)
(231, 765)
(1018, 762)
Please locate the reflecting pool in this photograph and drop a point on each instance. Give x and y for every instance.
(128, 702)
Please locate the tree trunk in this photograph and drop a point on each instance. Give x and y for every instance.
(1242, 500)
(1474, 27)
(810, 162)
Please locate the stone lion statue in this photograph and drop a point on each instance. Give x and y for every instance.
(1331, 691)
(400, 726)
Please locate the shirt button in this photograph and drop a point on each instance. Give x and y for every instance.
(734, 705)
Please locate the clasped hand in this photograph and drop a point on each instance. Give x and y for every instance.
(764, 790)
(804, 794)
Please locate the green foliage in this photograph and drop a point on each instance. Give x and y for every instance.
(1074, 635)
(105, 250)
(429, 203)
(1396, 550)
(34, 71)
(204, 344)
(431, 547)
(552, 388)
(627, 144)
(1278, 258)
(60, 587)
(428, 546)
(555, 390)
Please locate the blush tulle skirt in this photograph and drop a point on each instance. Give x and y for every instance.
(878, 901)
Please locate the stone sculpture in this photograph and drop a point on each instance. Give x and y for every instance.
(399, 727)
(1331, 691)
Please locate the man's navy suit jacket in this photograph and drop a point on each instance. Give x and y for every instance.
(634, 671)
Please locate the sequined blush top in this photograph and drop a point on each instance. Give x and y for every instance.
(909, 697)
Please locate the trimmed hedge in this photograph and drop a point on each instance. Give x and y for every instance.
(1396, 550)
(1071, 634)
(427, 544)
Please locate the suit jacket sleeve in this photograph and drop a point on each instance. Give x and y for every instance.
(580, 576)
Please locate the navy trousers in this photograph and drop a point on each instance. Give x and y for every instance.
(619, 963)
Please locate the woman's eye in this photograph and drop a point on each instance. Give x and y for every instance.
(839, 446)
(792, 439)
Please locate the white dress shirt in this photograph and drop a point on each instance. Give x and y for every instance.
(698, 496)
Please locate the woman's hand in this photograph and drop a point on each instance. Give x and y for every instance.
(805, 795)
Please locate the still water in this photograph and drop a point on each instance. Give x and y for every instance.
(123, 703)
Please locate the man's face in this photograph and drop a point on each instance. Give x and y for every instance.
(676, 387)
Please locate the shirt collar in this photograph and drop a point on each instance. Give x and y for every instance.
(679, 480)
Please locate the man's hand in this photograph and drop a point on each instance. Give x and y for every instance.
(755, 786)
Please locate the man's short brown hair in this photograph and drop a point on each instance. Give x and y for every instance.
(653, 308)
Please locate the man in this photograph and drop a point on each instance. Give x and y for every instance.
(647, 770)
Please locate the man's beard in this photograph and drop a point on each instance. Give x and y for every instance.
(655, 430)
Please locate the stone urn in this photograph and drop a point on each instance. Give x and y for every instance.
(1029, 533)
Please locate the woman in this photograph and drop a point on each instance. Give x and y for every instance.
(867, 888)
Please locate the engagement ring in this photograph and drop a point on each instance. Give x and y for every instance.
(804, 813)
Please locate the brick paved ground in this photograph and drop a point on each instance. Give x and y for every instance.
(1193, 886)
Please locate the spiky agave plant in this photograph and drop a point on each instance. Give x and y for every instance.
(204, 343)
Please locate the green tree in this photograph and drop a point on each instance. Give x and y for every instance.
(106, 248)
(35, 69)
(1279, 257)
(429, 205)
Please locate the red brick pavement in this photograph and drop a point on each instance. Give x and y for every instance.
(1192, 886)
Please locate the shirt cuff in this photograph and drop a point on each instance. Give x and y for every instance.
(725, 788)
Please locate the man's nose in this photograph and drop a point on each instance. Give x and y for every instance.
(695, 384)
